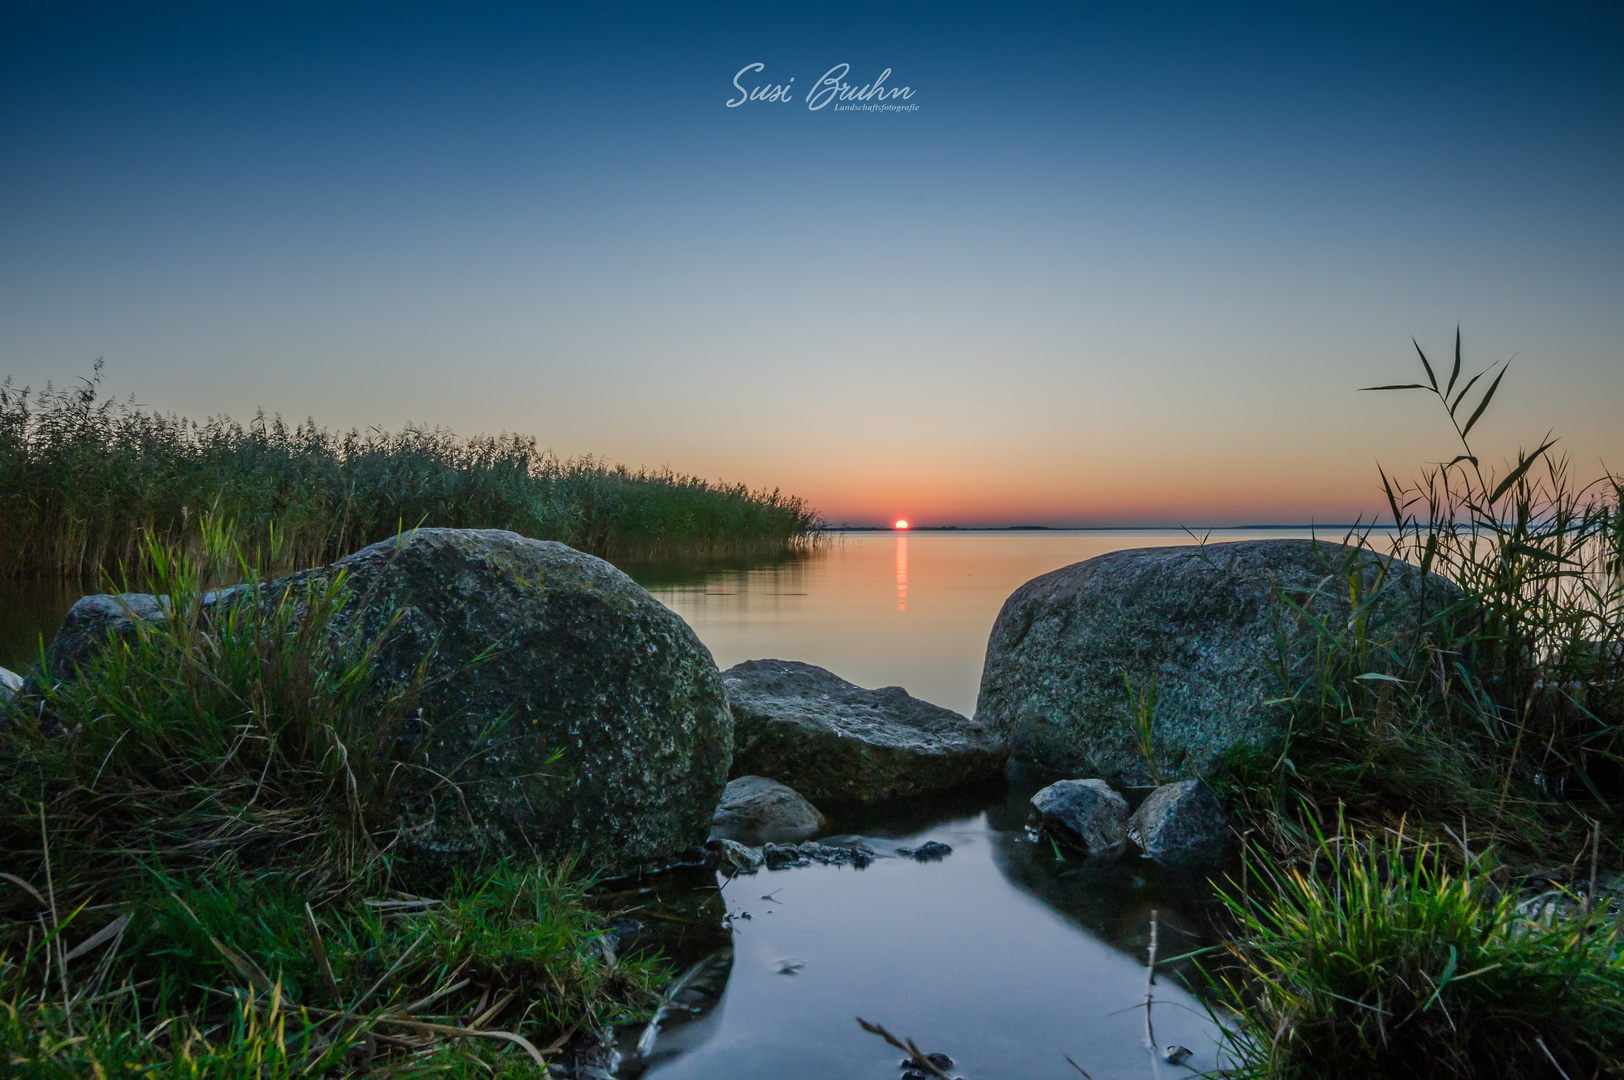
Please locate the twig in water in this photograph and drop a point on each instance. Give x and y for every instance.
(1150, 996)
(1076, 1066)
(914, 1053)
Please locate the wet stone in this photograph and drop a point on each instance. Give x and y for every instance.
(1181, 823)
(622, 937)
(756, 810)
(784, 856)
(1087, 816)
(733, 857)
(929, 851)
(913, 1071)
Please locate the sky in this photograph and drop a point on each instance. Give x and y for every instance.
(1117, 264)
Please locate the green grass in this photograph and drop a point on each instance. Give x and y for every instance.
(203, 874)
(84, 477)
(1500, 700)
(1488, 707)
(1382, 961)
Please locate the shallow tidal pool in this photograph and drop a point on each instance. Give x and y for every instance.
(1000, 956)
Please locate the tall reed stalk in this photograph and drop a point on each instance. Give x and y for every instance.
(1495, 693)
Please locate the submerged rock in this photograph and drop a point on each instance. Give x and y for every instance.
(929, 851)
(830, 739)
(784, 856)
(1195, 624)
(755, 810)
(1086, 816)
(572, 712)
(1181, 823)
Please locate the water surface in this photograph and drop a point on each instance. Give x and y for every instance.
(1001, 956)
(889, 609)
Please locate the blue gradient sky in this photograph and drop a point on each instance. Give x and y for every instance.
(1125, 264)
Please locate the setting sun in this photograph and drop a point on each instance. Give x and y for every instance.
(902, 523)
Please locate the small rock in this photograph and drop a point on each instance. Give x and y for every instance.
(1175, 1055)
(1181, 823)
(911, 1070)
(623, 935)
(734, 858)
(929, 851)
(755, 810)
(10, 684)
(1087, 816)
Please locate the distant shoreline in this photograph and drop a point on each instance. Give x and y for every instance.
(1088, 528)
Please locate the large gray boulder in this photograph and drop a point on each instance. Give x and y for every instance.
(1087, 816)
(830, 739)
(1200, 625)
(1181, 823)
(566, 710)
(755, 810)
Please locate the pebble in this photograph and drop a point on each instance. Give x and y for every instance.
(929, 851)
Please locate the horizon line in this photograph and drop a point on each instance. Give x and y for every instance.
(1090, 528)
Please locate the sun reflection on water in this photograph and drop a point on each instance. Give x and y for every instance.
(902, 573)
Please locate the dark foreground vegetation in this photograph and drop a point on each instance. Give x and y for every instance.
(201, 878)
(84, 478)
(1444, 766)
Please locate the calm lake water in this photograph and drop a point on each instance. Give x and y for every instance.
(1001, 955)
(890, 609)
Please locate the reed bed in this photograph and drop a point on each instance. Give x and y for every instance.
(84, 477)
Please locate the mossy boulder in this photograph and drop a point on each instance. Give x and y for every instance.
(563, 710)
(573, 711)
(833, 740)
(1205, 630)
